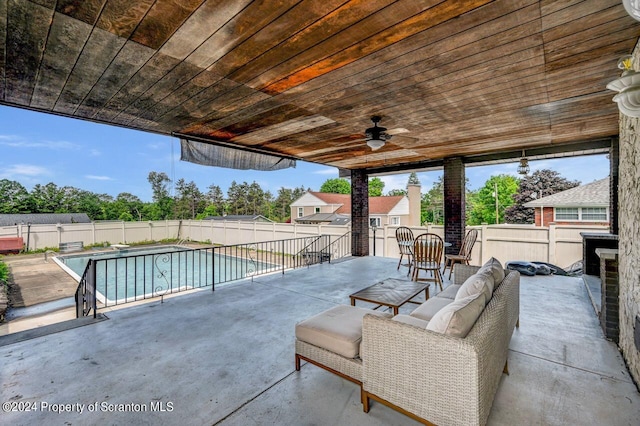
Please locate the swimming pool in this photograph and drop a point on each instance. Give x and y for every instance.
(133, 274)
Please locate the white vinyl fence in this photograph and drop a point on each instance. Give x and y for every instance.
(560, 245)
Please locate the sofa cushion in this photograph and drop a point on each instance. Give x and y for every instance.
(408, 319)
(496, 269)
(428, 309)
(457, 318)
(482, 282)
(449, 292)
(338, 329)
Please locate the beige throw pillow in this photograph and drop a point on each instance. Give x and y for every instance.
(481, 282)
(457, 318)
(495, 267)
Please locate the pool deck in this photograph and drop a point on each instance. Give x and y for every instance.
(226, 357)
(38, 281)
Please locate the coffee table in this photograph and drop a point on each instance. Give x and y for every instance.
(391, 292)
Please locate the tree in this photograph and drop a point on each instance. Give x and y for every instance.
(432, 203)
(215, 198)
(237, 198)
(77, 200)
(47, 198)
(164, 204)
(396, 192)
(484, 208)
(336, 186)
(540, 183)
(376, 185)
(282, 203)
(14, 197)
(413, 179)
(255, 199)
(159, 185)
(189, 201)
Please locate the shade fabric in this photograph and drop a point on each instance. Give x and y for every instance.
(220, 156)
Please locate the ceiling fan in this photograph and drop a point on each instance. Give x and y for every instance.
(377, 136)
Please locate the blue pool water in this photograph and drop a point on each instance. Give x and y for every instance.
(132, 274)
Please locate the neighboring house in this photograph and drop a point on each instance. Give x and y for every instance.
(240, 217)
(583, 205)
(320, 207)
(43, 218)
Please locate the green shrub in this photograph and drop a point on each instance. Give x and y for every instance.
(4, 272)
(98, 245)
(43, 250)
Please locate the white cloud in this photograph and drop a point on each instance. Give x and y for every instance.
(394, 182)
(18, 142)
(327, 171)
(157, 145)
(94, 177)
(95, 153)
(25, 170)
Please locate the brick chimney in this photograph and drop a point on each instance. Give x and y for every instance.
(413, 193)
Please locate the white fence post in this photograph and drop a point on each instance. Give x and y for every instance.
(483, 247)
(552, 243)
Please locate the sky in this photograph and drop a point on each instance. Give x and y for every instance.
(38, 148)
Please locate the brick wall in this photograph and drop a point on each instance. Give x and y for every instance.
(609, 313)
(549, 217)
(454, 203)
(359, 213)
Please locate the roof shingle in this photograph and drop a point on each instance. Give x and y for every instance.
(377, 205)
(592, 194)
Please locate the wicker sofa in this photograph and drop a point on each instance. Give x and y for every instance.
(434, 377)
(430, 376)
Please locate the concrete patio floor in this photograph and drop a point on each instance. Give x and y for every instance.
(226, 357)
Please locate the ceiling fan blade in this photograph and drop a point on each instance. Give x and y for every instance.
(397, 131)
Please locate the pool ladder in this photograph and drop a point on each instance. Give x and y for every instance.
(46, 258)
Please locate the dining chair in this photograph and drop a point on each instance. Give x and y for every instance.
(465, 252)
(427, 255)
(404, 237)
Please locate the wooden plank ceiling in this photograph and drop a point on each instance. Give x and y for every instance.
(302, 78)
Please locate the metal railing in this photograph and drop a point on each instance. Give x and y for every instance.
(340, 247)
(127, 277)
(86, 292)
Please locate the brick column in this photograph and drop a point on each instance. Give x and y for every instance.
(609, 310)
(454, 203)
(614, 161)
(359, 213)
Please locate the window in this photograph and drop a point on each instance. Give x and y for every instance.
(395, 220)
(585, 214)
(317, 209)
(594, 214)
(567, 213)
(374, 221)
(300, 211)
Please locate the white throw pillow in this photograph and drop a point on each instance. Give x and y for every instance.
(481, 282)
(457, 318)
(495, 267)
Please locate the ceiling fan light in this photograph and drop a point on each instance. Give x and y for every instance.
(375, 144)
